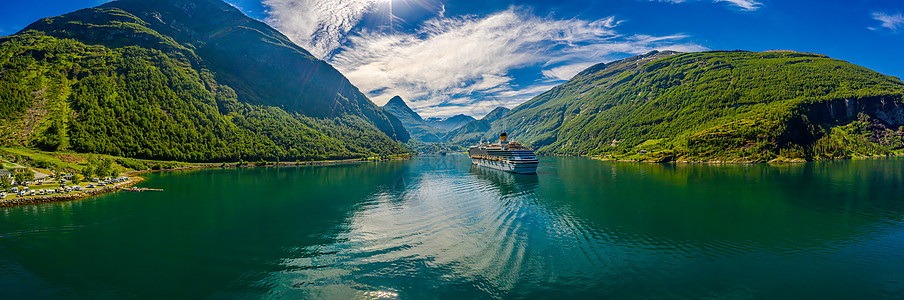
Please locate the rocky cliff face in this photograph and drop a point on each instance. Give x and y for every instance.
(887, 109)
(878, 120)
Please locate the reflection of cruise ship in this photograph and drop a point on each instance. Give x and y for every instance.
(510, 157)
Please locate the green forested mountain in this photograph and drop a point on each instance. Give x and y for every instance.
(496, 114)
(400, 109)
(714, 106)
(188, 80)
(419, 129)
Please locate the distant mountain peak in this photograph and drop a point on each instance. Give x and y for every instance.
(397, 100)
(452, 122)
(401, 110)
(420, 129)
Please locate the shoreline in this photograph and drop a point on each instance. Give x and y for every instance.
(135, 179)
(718, 162)
(33, 200)
(254, 165)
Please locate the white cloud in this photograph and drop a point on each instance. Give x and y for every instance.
(749, 5)
(452, 64)
(567, 71)
(465, 60)
(459, 62)
(893, 22)
(474, 107)
(446, 111)
(317, 25)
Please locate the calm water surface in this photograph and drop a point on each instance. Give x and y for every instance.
(437, 227)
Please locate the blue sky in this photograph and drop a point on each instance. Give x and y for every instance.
(453, 56)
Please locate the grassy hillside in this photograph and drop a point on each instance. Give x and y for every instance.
(716, 106)
(103, 81)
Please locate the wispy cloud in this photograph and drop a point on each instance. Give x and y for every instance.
(748, 5)
(453, 64)
(472, 58)
(319, 26)
(567, 71)
(893, 22)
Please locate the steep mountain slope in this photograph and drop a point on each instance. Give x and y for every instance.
(496, 114)
(180, 79)
(400, 109)
(419, 129)
(262, 65)
(716, 106)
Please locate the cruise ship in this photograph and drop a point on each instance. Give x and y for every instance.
(510, 157)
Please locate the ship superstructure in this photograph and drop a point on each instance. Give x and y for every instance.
(507, 156)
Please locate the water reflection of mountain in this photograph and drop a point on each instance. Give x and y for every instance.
(784, 206)
(215, 224)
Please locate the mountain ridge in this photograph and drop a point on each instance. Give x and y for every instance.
(450, 123)
(713, 106)
(224, 82)
(495, 114)
(420, 129)
(399, 108)
(259, 62)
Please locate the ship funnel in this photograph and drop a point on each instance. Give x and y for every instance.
(503, 138)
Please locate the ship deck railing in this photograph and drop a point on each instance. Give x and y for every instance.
(499, 158)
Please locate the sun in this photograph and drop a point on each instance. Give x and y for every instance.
(393, 10)
(388, 5)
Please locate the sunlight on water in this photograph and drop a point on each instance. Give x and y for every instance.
(437, 222)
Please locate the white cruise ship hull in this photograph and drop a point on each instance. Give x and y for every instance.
(507, 165)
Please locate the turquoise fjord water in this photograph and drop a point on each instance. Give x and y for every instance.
(438, 227)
